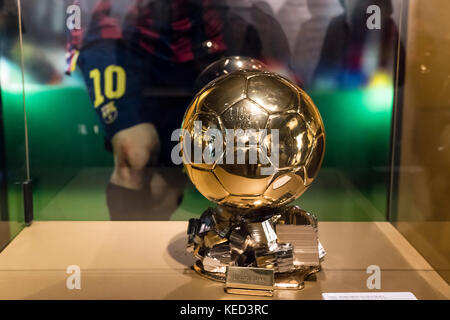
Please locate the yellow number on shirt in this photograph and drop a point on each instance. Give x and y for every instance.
(119, 90)
(112, 73)
(95, 76)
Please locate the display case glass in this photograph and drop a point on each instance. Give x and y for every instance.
(70, 166)
(92, 91)
(14, 170)
(420, 166)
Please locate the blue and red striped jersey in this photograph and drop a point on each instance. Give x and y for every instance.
(172, 30)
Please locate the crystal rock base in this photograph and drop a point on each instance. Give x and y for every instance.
(284, 240)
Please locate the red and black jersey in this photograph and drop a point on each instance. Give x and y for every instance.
(172, 30)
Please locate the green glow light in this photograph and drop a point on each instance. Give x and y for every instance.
(379, 95)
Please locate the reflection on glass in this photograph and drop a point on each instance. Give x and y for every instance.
(104, 99)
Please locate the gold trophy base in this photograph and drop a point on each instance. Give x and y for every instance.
(294, 280)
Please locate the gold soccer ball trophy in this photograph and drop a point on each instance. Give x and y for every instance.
(252, 142)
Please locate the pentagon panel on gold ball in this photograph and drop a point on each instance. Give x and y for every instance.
(253, 142)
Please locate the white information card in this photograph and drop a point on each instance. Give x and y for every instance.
(369, 296)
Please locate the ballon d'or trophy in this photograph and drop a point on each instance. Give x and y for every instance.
(252, 141)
